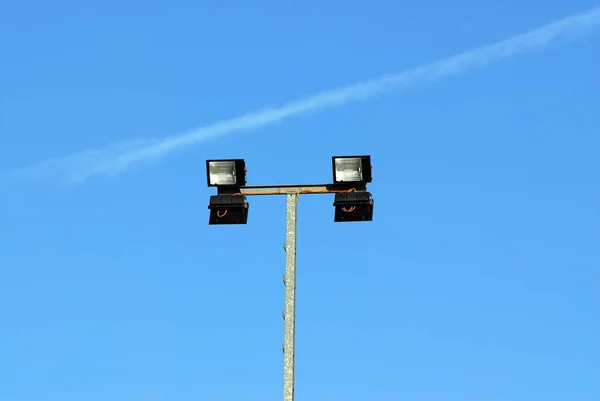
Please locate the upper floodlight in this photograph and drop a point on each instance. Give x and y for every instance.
(351, 169)
(226, 173)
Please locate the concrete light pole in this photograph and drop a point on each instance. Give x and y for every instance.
(352, 203)
(289, 342)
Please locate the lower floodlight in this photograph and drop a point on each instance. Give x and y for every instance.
(353, 206)
(226, 173)
(228, 209)
(351, 169)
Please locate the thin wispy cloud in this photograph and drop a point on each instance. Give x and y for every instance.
(118, 158)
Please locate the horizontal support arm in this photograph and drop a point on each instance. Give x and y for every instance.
(296, 189)
(284, 189)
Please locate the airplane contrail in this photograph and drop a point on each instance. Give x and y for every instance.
(118, 158)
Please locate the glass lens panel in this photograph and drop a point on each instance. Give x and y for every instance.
(222, 173)
(348, 169)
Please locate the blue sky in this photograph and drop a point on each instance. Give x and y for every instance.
(476, 281)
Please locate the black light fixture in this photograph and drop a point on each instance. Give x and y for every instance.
(351, 169)
(353, 206)
(226, 173)
(228, 209)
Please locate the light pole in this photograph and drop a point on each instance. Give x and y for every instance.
(352, 203)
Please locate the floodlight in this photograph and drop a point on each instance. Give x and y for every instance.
(351, 169)
(228, 209)
(227, 173)
(353, 206)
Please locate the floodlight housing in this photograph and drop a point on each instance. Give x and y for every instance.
(353, 206)
(351, 169)
(226, 173)
(228, 209)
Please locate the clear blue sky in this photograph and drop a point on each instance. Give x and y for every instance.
(478, 279)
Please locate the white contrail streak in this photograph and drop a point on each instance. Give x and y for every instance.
(119, 158)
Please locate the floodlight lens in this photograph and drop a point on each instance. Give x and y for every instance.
(222, 173)
(348, 169)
